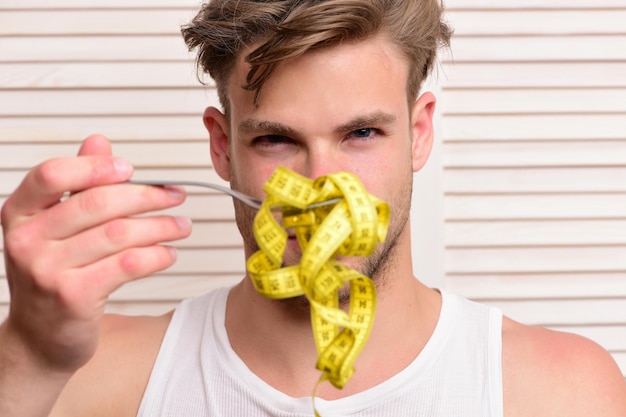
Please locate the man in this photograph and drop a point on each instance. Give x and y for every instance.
(319, 87)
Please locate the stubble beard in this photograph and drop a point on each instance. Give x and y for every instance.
(379, 266)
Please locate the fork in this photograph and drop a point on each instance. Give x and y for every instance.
(255, 203)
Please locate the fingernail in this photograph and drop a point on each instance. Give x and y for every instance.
(184, 223)
(174, 192)
(173, 252)
(122, 166)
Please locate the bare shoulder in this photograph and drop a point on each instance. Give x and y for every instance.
(119, 370)
(548, 373)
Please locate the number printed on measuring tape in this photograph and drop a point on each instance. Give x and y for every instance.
(351, 227)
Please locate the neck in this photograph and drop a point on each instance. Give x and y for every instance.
(274, 338)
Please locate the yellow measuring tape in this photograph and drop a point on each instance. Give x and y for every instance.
(351, 227)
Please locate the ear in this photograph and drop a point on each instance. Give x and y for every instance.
(217, 126)
(422, 128)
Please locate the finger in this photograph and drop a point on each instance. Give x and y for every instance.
(99, 205)
(45, 184)
(95, 145)
(108, 274)
(118, 235)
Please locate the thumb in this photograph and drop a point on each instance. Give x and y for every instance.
(95, 145)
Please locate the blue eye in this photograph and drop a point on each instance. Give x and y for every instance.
(363, 133)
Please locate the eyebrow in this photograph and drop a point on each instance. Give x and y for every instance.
(255, 125)
(376, 118)
(373, 119)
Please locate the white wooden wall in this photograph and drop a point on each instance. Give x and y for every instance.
(534, 162)
(526, 192)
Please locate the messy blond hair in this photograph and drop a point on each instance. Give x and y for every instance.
(286, 29)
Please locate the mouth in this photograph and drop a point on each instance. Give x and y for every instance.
(293, 251)
(292, 240)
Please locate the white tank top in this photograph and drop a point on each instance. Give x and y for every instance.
(457, 374)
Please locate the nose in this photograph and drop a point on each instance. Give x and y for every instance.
(320, 160)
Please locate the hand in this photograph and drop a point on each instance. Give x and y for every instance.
(64, 257)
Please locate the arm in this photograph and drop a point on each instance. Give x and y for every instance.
(64, 258)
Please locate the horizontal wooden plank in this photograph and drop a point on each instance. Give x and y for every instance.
(192, 154)
(89, 4)
(536, 48)
(183, 101)
(147, 128)
(146, 308)
(59, 75)
(566, 312)
(536, 101)
(534, 74)
(533, 127)
(534, 180)
(535, 233)
(536, 260)
(535, 206)
(593, 153)
(535, 22)
(531, 4)
(535, 154)
(526, 286)
(87, 22)
(94, 48)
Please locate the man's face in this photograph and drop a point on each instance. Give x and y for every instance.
(337, 109)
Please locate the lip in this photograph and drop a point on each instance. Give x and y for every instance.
(292, 242)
